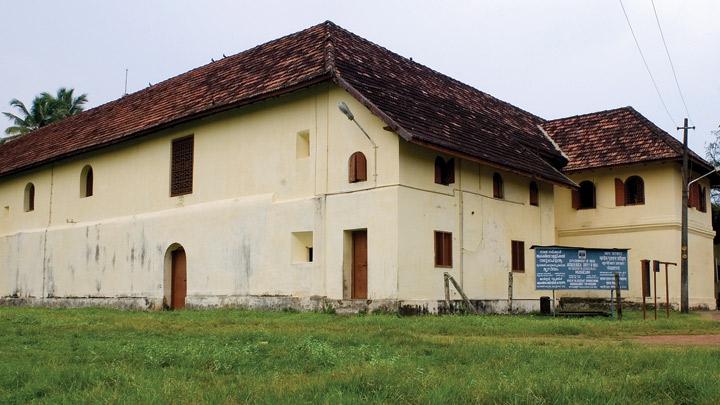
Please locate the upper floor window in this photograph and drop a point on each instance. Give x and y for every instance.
(181, 166)
(584, 197)
(534, 194)
(631, 192)
(634, 191)
(357, 168)
(29, 201)
(444, 171)
(697, 197)
(498, 187)
(86, 182)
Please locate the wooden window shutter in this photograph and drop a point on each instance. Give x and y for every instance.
(498, 191)
(352, 169)
(640, 191)
(361, 167)
(691, 195)
(518, 255)
(449, 171)
(439, 168)
(443, 249)
(619, 193)
(357, 167)
(447, 249)
(703, 200)
(534, 194)
(181, 172)
(576, 199)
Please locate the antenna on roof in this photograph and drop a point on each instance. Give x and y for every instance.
(212, 59)
(126, 75)
(224, 56)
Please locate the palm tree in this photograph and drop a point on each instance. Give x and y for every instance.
(45, 109)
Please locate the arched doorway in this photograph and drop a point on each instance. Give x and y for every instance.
(176, 277)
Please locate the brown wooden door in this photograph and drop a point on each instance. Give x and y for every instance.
(359, 265)
(179, 279)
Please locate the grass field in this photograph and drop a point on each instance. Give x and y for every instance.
(223, 356)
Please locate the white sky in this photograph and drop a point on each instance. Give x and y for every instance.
(553, 58)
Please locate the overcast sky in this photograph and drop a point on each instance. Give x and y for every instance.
(553, 58)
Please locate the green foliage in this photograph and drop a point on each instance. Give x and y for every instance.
(45, 109)
(227, 356)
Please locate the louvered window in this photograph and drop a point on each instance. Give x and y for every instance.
(181, 172)
(357, 168)
(443, 249)
(444, 171)
(498, 186)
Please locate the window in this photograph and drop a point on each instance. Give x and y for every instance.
(584, 198)
(518, 255)
(443, 249)
(29, 203)
(634, 191)
(697, 197)
(534, 194)
(86, 182)
(498, 189)
(444, 171)
(357, 168)
(302, 145)
(181, 171)
(302, 247)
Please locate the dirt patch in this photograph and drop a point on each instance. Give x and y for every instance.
(681, 340)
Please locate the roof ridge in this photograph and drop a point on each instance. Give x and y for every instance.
(610, 110)
(433, 71)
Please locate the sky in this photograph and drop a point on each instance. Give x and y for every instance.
(554, 58)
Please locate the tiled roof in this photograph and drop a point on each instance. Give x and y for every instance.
(614, 137)
(421, 105)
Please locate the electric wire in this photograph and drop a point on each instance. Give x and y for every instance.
(672, 65)
(647, 67)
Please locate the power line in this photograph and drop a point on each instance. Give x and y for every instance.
(647, 67)
(672, 66)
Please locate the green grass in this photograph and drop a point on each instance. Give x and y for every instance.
(224, 356)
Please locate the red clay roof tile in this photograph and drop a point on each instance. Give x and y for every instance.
(422, 105)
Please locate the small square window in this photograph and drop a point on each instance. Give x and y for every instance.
(302, 145)
(302, 247)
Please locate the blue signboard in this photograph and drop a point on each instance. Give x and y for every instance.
(571, 268)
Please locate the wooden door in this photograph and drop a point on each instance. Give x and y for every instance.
(359, 265)
(178, 289)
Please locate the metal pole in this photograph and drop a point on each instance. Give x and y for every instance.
(553, 302)
(656, 265)
(618, 297)
(684, 301)
(645, 264)
(667, 292)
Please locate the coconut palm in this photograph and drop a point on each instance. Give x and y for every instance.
(45, 109)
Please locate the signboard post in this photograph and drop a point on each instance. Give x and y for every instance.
(575, 268)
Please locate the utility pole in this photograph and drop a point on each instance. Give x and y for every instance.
(684, 300)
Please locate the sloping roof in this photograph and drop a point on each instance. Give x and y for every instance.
(614, 137)
(421, 105)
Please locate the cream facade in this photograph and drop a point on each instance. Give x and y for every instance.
(650, 230)
(271, 217)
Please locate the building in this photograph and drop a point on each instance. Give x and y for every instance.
(241, 183)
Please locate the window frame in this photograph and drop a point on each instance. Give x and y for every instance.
(517, 256)
(176, 189)
(638, 192)
(444, 171)
(87, 182)
(498, 186)
(357, 167)
(534, 190)
(29, 197)
(442, 241)
(580, 193)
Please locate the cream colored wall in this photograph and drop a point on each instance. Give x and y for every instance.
(250, 193)
(482, 227)
(650, 231)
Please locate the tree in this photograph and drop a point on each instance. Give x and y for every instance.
(45, 109)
